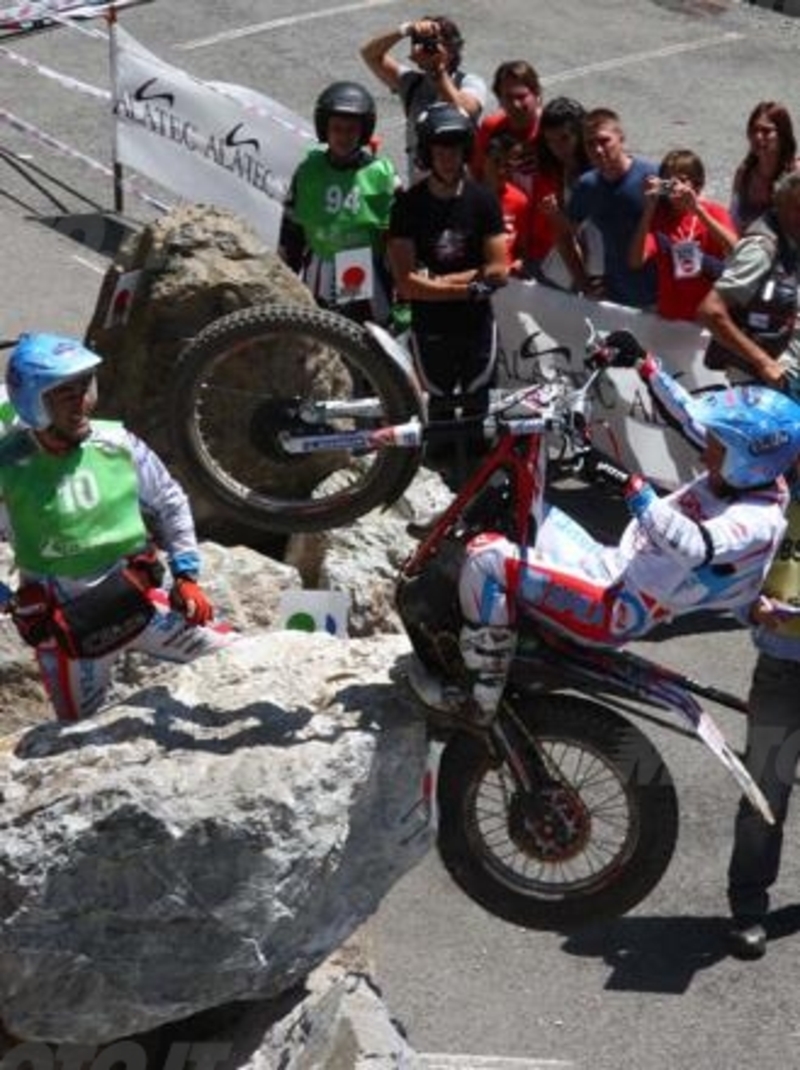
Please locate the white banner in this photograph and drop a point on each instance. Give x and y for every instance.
(624, 422)
(39, 12)
(210, 143)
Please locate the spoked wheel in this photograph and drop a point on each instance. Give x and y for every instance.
(592, 843)
(242, 384)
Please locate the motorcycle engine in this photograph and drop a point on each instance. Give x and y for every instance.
(428, 607)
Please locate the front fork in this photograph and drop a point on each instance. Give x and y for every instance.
(509, 745)
(512, 745)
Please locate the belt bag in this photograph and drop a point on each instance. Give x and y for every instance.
(768, 318)
(105, 617)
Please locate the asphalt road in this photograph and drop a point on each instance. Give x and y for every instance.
(650, 990)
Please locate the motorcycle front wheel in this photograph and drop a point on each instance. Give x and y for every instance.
(592, 843)
(240, 385)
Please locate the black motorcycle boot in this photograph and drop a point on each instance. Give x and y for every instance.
(747, 938)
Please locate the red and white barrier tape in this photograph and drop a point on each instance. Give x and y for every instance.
(43, 138)
(56, 76)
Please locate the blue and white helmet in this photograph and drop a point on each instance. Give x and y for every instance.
(41, 362)
(759, 428)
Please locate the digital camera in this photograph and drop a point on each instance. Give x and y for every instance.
(427, 42)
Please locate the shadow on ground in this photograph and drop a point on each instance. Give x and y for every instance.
(102, 232)
(663, 955)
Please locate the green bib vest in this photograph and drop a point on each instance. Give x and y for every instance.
(76, 513)
(342, 209)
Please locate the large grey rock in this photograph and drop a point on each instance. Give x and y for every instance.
(207, 842)
(343, 1026)
(336, 1020)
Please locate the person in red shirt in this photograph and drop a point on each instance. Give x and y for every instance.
(688, 235)
(502, 153)
(519, 93)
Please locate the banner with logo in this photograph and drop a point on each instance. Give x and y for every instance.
(210, 143)
(35, 13)
(533, 319)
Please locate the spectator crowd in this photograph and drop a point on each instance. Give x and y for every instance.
(574, 207)
(579, 210)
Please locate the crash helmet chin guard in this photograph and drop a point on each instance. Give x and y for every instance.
(345, 98)
(443, 124)
(39, 363)
(759, 428)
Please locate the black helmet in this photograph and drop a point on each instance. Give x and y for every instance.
(345, 98)
(443, 124)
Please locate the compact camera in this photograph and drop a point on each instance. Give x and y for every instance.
(428, 43)
(666, 186)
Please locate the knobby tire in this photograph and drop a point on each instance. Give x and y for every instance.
(628, 807)
(232, 383)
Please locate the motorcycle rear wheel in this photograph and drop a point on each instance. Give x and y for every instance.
(237, 386)
(598, 846)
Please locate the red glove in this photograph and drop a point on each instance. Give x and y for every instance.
(186, 596)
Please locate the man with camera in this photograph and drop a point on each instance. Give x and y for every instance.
(436, 76)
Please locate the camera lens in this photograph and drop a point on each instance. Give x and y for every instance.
(426, 43)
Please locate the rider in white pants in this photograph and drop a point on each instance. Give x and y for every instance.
(706, 546)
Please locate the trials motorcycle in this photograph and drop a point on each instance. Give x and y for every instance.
(562, 811)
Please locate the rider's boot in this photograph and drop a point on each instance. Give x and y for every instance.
(487, 652)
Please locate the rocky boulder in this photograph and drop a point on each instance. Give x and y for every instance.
(364, 558)
(207, 842)
(344, 1025)
(178, 274)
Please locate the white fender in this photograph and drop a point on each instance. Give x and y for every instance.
(401, 358)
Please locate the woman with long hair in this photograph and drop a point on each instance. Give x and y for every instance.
(561, 160)
(772, 152)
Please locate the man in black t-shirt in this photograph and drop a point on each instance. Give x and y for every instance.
(447, 251)
(433, 74)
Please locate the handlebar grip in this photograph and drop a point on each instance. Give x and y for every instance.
(626, 349)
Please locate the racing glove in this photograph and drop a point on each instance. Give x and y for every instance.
(188, 598)
(636, 491)
(31, 611)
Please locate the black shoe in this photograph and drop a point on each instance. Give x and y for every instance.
(748, 940)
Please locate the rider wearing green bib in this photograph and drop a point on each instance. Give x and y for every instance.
(86, 507)
(83, 515)
(337, 212)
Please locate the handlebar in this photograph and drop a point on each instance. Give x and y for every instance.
(618, 348)
(551, 408)
(536, 408)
